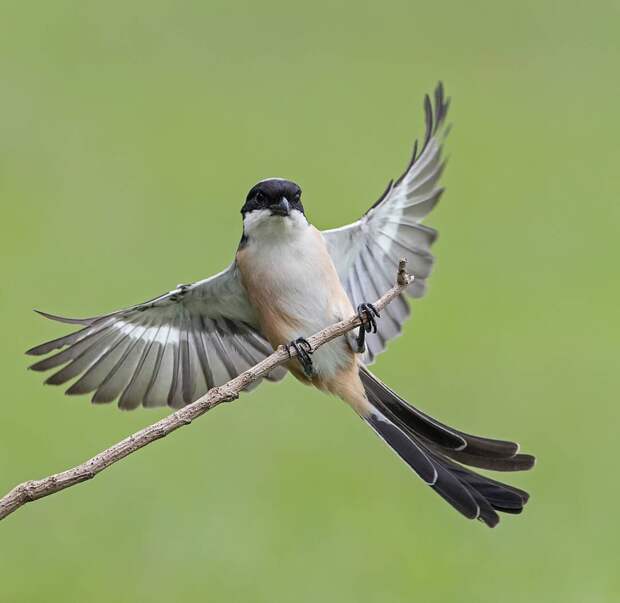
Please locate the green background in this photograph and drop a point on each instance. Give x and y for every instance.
(129, 135)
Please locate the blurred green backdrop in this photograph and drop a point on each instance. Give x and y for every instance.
(129, 135)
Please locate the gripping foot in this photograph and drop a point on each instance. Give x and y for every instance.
(366, 312)
(304, 350)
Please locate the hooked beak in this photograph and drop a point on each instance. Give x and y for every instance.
(282, 208)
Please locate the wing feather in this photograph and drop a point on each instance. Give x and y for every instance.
(85, 359)
(134, 393)
(159, 387)
(120, 376)
(199, 327)
(169, 350)
(189, 382)
(367, 251)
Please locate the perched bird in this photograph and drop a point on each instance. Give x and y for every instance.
(287, 281)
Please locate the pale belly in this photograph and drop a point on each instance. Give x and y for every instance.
(296, 292)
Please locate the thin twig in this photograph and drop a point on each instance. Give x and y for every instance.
(35, 489)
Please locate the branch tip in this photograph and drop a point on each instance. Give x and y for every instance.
(403, 278)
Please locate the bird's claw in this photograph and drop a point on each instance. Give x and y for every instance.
(304, 350)
(367, 314)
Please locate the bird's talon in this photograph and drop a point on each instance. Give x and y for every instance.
(304, 350)
(305, 345)
(367, 314)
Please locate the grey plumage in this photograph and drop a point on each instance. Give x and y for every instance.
(366, 253)
(168, 351)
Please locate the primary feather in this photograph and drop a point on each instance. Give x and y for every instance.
(366, 252)
(167, 351)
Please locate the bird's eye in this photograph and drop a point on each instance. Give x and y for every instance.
(260, 197)
(297, 196)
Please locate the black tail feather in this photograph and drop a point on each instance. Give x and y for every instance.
(408, 449)
(428, 446)
(384, 397)
(472, 449)
(519, 462)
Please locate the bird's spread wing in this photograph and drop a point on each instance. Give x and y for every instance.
(167, 351)
(366, 253)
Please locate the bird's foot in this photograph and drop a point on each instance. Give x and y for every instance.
(366, 313)
(304, 350)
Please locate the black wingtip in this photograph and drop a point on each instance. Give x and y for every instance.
(435, 112)
(428, 115)
(33, 352)
(65, 319)
(38, 366)
(439, 105)
(385, 193)
(54, 344)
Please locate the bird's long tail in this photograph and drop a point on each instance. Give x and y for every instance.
(431, 449)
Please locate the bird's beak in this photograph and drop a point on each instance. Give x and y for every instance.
(282, 208)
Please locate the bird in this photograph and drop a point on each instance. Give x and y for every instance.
(287, 281)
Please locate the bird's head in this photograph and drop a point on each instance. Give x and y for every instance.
(273, 204)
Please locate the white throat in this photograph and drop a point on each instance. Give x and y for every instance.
(261, 226)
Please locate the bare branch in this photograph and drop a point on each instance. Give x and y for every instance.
(35, 489)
